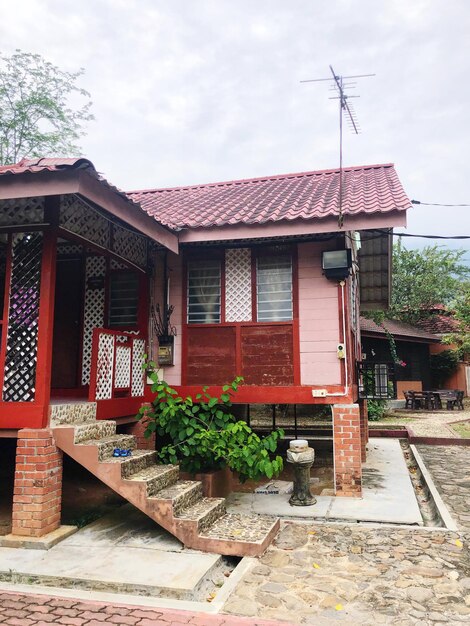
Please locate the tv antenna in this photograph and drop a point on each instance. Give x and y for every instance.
(340, 85)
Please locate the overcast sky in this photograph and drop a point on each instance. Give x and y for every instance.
(193, 91)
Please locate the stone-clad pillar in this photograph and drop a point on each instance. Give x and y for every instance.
(347, 450)
(37, 492)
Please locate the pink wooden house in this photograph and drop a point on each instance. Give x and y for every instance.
(265, 277)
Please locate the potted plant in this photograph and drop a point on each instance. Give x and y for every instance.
(165, 333)
(205, 438)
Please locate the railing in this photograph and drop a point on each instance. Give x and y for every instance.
(376, 381)
(117, 360)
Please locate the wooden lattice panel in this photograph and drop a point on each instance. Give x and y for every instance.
(122, 375)
(21, 211)
(115, 265)
(238, 307)
(130, 245)
(66, 249)
(21, 352)
(104, 369)
(82, 220)
(138, 352)
(93, 309)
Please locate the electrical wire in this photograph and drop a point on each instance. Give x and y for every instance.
(436, 203)
(387, 232)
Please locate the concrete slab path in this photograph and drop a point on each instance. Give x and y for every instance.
(388, 495)
(122, 552)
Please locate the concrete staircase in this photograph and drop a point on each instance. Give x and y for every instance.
(178, 505)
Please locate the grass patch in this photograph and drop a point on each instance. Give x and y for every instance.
(462, 429)
(392, 419)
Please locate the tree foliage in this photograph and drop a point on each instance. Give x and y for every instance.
(36, 118)
(461, 305)
(424, 278)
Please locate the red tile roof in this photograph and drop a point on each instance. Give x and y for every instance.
(439, 324)
(34, 166)
(397, 329)
(43, 164)
(306, 195)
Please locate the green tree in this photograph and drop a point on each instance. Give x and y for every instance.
(423, 278)
(36, 118)
(461, 305)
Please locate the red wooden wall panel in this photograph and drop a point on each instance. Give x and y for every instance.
(211, 355)
(267, 355)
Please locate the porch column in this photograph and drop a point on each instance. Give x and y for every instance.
(347, 450)
(364, 428)
(37, 491)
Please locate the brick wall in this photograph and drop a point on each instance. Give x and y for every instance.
(364, 428)
(347, 450)
(38, 484)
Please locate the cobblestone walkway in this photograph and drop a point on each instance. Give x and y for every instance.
(363, 575)
(436, 423)
(38, 610)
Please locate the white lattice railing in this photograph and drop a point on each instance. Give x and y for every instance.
(117, 360)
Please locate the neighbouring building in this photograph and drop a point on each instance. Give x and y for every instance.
(413, 349)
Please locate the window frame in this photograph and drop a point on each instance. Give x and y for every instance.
(273, 255)
(137, 324)
(216, 259)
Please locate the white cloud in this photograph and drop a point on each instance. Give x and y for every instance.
(192, 91)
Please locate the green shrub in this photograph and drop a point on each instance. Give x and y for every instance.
(376, 409)
(204, 435)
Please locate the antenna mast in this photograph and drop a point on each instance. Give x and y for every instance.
(345, 108)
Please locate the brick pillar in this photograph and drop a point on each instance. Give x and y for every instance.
(364, 428)
(347, 450)
(37, 491)
(138, 429)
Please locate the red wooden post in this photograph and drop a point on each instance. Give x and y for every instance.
(46, 323)
(46, 306)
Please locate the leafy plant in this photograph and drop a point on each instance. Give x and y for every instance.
(443, 364)
(204, 434)
(376, 409)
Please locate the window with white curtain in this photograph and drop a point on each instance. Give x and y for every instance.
(274, 288)
(204, 292)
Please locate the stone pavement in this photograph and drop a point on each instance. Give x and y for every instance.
(435, 423)
(325, 574)
(39, 610)
(450, 469)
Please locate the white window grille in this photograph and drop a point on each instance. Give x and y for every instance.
(204, 292)
(274, 288)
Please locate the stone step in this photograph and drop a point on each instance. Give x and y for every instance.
(140, 460)
(182, 494)
(68, 413)
(156, 477)
(205, 512)
(106, 445)
(236, 527)
(94, 430)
